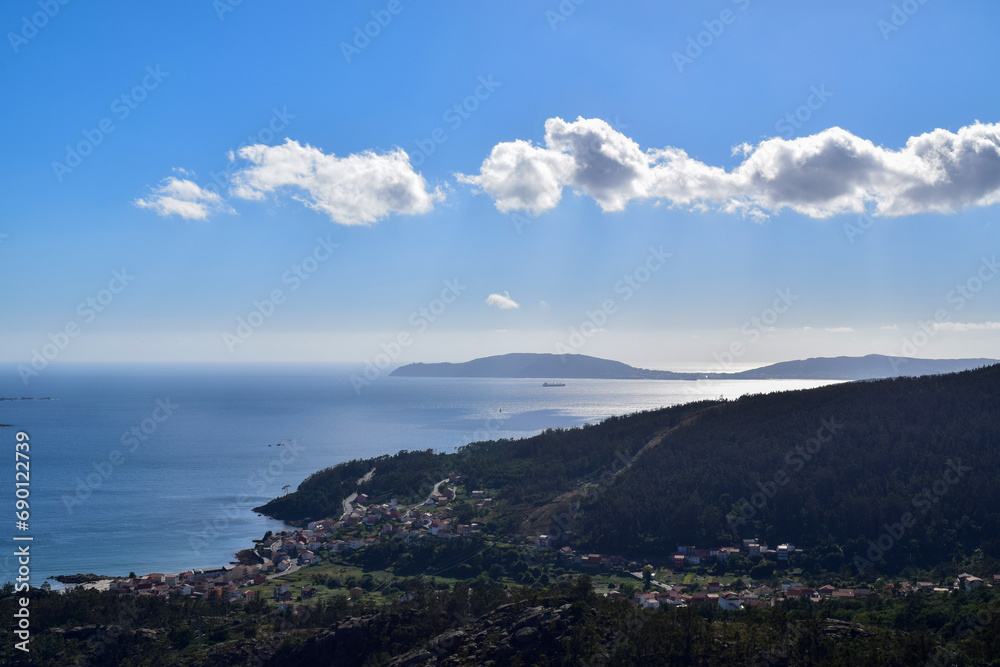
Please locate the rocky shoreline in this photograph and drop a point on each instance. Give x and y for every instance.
(80, 578)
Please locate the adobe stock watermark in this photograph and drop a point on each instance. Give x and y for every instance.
(791, 122)
(363, 35)
(562, 12)
(419, 320)
(131, 440)
(971, 625)
(957, 298)
(97, 645)
(754, 328)
(223, 7)
(87, 310)
(697, 44)
(527, 218)
(863, 222)
(265, 308)
(627, 287)
(30, 25)
(221, 180)
(860, 227)
(522, 220)
(258, 482)
(121, 108)
(796, 460)
(923, 501)
(778, 653)
(900, 16)
(454, 116)
(561, 522)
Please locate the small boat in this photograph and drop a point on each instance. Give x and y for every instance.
(553, 384)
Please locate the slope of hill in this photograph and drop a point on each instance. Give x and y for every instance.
(911, 464)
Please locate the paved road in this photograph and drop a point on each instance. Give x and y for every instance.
(349, 500)
(291, 568)
(434, 494)
(348, 503)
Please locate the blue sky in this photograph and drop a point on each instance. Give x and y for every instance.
(227, 145)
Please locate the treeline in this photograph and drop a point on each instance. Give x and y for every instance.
(472, 621)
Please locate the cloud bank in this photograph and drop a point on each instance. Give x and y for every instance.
(180, 196)
(502, 301)
(359, 189)
(821, 175)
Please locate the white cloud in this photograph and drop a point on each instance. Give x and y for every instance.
(359, 189)
(890, 327)
(179, 196)
(840, 329)
(821, 175)
(966, 326)
(502, 301)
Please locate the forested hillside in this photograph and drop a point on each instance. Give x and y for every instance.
(923, 452)
(913, 461)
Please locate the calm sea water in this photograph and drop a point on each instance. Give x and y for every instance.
(156, 468)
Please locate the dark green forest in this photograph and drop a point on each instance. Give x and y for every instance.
(926, 447)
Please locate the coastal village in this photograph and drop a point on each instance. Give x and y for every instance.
(285, 552)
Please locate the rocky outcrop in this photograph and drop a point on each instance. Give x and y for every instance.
(495, 638)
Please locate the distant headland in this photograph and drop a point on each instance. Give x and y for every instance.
(579, 366)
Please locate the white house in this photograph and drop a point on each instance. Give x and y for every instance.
(647, 600)
(789, 584)
(972, 583)
(729, 601)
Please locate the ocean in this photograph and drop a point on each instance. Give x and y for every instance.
(155, 468)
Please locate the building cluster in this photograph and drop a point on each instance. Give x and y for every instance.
(300, 547)
(225, 582)
(684, 556)
(752, 548)
(675, 596)
(765, 596)
(395, 521)
(570, 557)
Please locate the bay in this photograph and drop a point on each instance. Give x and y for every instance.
(156, 468)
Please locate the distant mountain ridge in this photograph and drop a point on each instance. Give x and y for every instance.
(579, 366)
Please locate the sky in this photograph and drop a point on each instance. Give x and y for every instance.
(669, 184)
